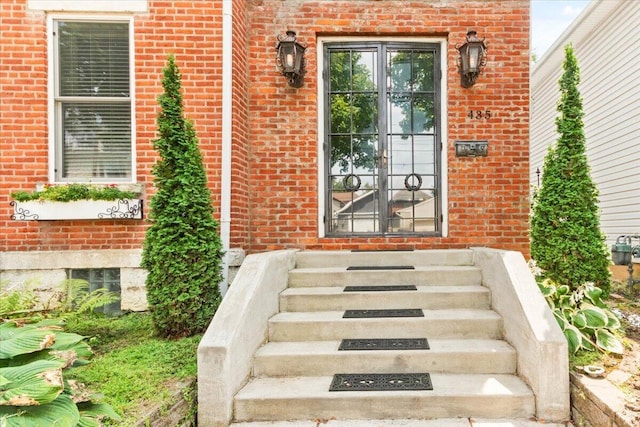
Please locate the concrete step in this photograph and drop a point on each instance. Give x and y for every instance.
(318, 358)
(329, 325)
(441, 422)
(431, 297)
(453, 395)
(320, 259)
(421, 275)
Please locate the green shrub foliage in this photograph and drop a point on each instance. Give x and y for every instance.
(566, 239)
(182, 248)
(73, 192)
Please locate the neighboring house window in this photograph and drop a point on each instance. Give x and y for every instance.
(382, 138)
(108, 278)
(92, 101)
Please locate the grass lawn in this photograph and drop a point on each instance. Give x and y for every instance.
(132, 369)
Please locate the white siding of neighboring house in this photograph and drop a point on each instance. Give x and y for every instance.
(605, 37)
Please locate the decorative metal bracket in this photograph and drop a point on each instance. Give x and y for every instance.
(22, 214)
(124, 209)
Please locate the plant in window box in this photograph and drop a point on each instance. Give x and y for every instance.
(76, 201)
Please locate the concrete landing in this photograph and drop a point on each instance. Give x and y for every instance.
(449, 422)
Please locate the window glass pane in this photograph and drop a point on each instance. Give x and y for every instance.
(108, 278)
(97, 277)
(112, 275)
(93, 59)
(82, 274)
(96, 140)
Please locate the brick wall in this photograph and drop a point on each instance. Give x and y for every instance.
(275, 127)
(488, 197)
(189, 29)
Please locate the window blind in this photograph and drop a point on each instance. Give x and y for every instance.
(93, 103)
(94, 59)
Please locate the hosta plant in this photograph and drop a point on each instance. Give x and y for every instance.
(33, 391)
(583, 316)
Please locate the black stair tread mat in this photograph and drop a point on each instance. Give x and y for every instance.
(380, 267)
(381, 382)
(358, 344)
(380, 288)
(402, 312)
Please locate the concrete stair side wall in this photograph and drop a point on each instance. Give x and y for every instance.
(238, 329)
(529, 326)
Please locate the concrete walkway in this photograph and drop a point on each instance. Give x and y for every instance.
(455, 422)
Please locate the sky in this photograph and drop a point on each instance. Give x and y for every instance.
(549, 19)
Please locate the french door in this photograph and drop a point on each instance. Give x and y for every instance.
(382, 138)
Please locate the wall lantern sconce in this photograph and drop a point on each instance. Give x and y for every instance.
(473, 58)
(290, 58)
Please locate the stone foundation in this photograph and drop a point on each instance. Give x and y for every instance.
(42, 272)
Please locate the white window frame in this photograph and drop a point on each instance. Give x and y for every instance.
(53, 126)
(322, 232)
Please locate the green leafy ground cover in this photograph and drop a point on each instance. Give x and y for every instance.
(132, 368)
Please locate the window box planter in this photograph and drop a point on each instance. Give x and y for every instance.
(46, 210)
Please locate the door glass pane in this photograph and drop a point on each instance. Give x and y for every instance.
(423, 72)
(401, 155)
(364, 69)
(353, 70)
(353, 139)
(423, 114)
(341, 113)
(365, 113)
(400, 113)
(411, 195)
(400, 74)
(424, 161)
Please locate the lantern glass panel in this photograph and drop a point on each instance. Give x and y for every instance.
(287, 56)
(298, 56)
(475, 53)
(464, 56)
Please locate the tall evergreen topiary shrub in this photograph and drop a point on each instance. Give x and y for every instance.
(566, 240)
(182, 248)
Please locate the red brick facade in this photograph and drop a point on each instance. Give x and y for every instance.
(275, 129)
